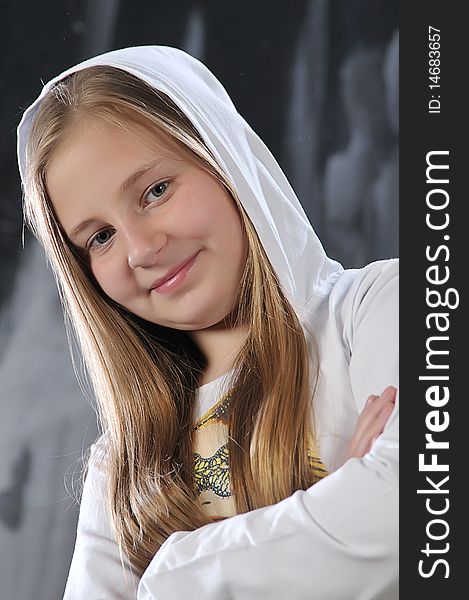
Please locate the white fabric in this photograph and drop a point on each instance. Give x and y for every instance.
(208, 394)
(338, 539)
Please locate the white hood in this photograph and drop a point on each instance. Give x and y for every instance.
(280, 221)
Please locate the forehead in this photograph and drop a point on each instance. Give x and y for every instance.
(88, 133)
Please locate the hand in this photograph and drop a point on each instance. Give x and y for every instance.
(371, 422)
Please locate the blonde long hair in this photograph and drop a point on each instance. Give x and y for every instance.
(144, 376)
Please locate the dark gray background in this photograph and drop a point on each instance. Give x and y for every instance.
(316, 79)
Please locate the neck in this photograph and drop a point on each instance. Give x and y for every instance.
(219, 344)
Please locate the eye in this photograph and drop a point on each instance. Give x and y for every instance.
(101, 239)
(157, 191)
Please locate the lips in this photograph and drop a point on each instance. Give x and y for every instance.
(172, 272)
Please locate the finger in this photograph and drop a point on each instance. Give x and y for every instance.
(387, 395)
(372, 420)
(376, 427)
(374, 407)
(386, 411)
(376, 401)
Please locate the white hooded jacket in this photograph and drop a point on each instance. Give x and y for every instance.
(337, 540)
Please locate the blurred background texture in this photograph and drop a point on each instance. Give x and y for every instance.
(316, 79)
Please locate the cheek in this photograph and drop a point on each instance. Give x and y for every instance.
(191, 217)
(210, 213)
(227, 227)
(112, 279)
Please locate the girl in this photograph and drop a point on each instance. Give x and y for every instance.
(230, 357)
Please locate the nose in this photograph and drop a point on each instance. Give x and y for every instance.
(143, 246)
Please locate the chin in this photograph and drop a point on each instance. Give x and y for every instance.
(189, 316)
(198, 324)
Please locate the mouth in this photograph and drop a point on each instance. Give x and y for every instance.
(174, 276)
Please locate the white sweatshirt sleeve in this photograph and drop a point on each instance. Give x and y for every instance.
(338, 539)
(96, 572)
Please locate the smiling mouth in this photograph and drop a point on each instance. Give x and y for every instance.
(170, 281)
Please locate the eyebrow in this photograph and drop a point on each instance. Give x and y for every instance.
(76, 231)
(132, 180)
(129, 182)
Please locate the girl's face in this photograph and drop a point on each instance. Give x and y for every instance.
(162, 236)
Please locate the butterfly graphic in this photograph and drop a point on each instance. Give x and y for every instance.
(212, 473)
